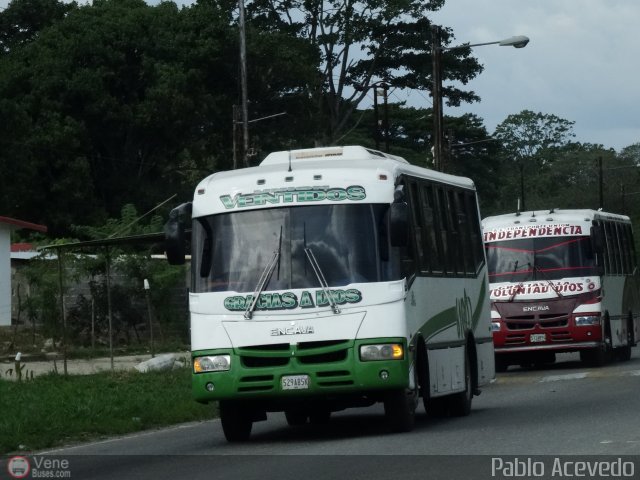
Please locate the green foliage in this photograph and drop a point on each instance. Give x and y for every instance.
(361, 43)
(120, 102)
(51, 409)
(533, 137)
(22, 20)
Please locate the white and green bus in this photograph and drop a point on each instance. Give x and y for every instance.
(330, 278)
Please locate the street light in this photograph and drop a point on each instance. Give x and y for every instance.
(518, 41)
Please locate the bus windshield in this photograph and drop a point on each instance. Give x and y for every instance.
(545, 258)
(231, 251)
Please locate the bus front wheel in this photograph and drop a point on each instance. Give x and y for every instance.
(236, 421)
(597, 357)
(400, 407)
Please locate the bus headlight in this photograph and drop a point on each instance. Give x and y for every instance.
(383, 351)
(211, 363)
(587, 320)
(495, 326)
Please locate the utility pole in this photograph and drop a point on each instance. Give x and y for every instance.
(380, 126)
(243, 85)
(385, 88)
(600, 183)
(436, 95)
(376, 117)
(236, 121)
(522, 184)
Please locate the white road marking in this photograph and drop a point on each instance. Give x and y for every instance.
(569, 376)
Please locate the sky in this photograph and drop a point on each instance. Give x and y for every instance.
(581, 63)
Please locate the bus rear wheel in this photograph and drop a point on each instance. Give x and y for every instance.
(624, 353)
(460, 405)
(236, 421)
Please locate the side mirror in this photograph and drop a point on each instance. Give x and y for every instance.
(174, 234)
(399, 224)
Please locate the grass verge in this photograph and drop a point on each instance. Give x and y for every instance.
(52, 409)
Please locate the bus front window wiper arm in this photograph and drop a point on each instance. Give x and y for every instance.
(548, 280)
(323, 281)
(264, 279)
(262, 283)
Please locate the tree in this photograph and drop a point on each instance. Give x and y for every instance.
(22, 20)
(121, 102)
(631, 154)
(530, 142)
(529, 136)
(363, 42)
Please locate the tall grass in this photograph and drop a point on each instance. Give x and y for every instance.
(52, 409)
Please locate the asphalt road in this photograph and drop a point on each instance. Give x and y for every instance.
(564, 410)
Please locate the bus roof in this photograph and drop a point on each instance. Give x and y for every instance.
(554, 215)
(315, 168)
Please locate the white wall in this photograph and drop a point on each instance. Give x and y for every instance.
(5, 276)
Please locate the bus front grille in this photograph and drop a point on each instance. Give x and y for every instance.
(259, 362)
(336, 356)
(563, 336)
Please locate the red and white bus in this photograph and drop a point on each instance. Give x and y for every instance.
(562, 281)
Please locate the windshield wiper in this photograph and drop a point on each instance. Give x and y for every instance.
(547, 279)
(521, 283)
(264, 279)
(321, 279)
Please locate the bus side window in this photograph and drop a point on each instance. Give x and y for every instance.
(207, 247)
(444, 231)
(597, 238)
(476, 234)
(416, 223)
(457, 260)
(632, 248)
(465, 232)
(624, 250)
(435, 246)
(606, 249)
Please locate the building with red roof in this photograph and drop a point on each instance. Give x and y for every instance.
(7, 225)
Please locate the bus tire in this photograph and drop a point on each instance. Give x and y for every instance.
(502, 364)
(400, 407)
(437, 407)
(460, 405)
(236, 421)
(597, 357)
(624, 353)
(295, 418)
(544, 359)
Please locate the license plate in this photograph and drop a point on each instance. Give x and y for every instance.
(295, 382)
(538, 337)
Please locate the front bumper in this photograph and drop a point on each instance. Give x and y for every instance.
(334, 369)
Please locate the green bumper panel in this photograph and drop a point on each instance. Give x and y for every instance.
(333, 367)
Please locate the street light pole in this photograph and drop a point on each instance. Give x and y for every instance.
(518, 41)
